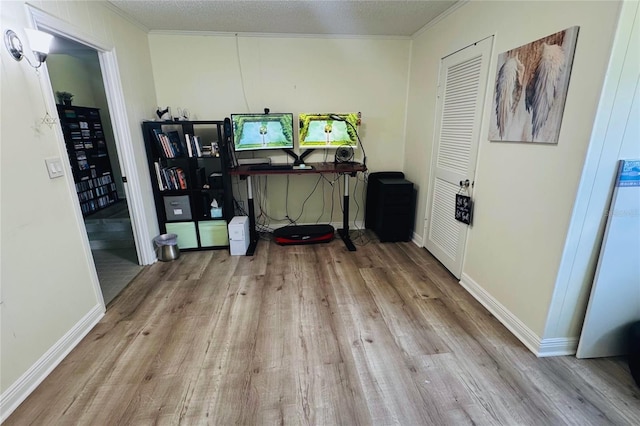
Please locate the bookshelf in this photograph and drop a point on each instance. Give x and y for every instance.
(87, 151)
(188, 171)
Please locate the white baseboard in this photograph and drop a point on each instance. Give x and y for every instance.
(530, 339)
(558, 346)
(21, 388)
(417, 240)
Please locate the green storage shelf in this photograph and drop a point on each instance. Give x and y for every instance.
(186, 232)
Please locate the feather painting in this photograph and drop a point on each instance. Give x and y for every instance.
(508, 91)
(531, 88)
(542, 90)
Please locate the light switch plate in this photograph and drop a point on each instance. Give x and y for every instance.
(54, 167)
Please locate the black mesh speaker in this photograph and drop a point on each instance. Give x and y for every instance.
(373, 190)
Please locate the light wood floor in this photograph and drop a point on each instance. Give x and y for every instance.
(317, 335)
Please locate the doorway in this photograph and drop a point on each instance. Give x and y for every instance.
(461, 89)
(74, 70)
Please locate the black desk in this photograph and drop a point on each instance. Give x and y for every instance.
(345, 169)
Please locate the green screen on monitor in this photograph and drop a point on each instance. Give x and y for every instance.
(322, 131)
(262, 131)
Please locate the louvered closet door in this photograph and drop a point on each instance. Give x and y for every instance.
(462, 85)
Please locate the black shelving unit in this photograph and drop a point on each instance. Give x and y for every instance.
(185, 182)
(89, 158)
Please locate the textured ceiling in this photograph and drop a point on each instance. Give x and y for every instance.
(336, 17)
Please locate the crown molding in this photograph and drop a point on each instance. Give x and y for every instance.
(124, 15)
(440, 17)
(276, 35)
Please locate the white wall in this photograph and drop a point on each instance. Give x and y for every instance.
(46, 277)
(72, 74)
(524, 192)
(296, 74)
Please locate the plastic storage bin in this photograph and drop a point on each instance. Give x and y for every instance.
(186, 232)
(213, 233)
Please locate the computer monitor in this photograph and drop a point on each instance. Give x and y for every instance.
(262, 131)
(326, 131)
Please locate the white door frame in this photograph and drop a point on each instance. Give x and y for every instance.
(120, 123)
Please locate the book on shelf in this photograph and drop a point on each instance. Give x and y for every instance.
(165, 178)
(176, 144)
(170, 178)
(163, 144)
(173, 179)
(189, 143)
(159, 176)
(182, 179)
(198, 145)
(193, 145)
(166, 182)
(166, 146)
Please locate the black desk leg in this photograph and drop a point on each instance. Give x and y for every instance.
(253, 234)
(344, 232)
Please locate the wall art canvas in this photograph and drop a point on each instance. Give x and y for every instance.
(531, 89)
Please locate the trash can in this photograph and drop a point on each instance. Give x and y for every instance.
(167, 247)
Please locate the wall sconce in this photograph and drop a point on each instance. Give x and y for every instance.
(38, 41)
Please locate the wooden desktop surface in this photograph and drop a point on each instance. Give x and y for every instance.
(350, 168)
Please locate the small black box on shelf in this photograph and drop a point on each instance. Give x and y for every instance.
(215, 180)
